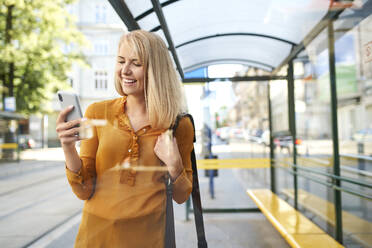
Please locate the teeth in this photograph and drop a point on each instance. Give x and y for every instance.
(129, 81)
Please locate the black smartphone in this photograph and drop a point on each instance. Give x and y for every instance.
(66, 99)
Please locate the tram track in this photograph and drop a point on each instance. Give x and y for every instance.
(31, 185)
(47, 195)
(25, 185)
(39, 242)
(5, 214)
(26, 167)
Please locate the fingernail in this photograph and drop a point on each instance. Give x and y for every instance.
(71, 106)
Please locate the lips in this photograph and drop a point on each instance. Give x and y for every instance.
(129, 81)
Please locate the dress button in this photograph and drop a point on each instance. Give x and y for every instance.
(144, 130)
(129, 150)
(130, 181)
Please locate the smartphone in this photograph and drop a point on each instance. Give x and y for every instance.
(66, 99)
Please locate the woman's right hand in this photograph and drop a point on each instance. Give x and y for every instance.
(68, 132)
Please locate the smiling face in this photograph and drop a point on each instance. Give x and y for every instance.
(130, 71)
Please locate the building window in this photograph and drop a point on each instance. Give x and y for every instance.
(101, 47)
(100, 79)
(100, 13)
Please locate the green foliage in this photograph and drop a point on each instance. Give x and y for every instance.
(39, 50)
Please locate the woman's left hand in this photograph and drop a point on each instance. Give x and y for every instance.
(166, 149)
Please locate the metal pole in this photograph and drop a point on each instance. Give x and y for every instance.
(292, 126)
(187, 207)
(164, 26)
(272, 155)
(125, 14)
(336, 155)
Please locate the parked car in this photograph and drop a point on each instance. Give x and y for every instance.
(363, 135)
(223, 133)
(255, 136)
(236, 133)
(25, 141)
(265, 138)
(285, 142)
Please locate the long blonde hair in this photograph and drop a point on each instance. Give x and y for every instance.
(162, 89)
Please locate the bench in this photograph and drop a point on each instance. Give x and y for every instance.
(361, 230)
(296, 229)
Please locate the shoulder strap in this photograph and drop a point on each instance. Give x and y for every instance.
(196, 202)
(170, 235)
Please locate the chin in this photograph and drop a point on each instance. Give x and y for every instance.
(134, 92)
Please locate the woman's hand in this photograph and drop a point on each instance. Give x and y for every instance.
(167, 151)
(68, 132)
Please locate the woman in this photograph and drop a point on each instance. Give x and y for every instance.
(124, 206)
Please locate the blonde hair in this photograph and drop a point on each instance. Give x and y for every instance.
(162, 89)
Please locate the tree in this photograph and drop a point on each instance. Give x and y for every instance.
(39, 42)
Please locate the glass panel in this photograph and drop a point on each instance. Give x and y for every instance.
(357, 217)
(313, 143)
(138, 7)
(236, 113)
(189, 20)
(161, 34)
(229, 61)
(151, 21)
(263, 17)
(353, 52)
(197, 73)
(279, 105)
(354, 77)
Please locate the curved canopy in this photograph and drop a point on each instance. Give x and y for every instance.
(202, 32)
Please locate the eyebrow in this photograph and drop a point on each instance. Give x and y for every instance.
(121, 57)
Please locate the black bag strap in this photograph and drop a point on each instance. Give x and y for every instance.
(170, 235)
(196, 202)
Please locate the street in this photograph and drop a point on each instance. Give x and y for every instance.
(38, 208)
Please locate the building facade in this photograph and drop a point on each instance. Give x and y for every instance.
(102, 27)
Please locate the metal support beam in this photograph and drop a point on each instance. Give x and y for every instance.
(231, 210)
(236, 34)
(150, 11)
(124, 13)
(164, 27)
(336, 155)
(235, 79)
(272, 154)
(229, 60)
(292, 126)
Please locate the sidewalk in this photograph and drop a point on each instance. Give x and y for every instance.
(222, 230)
(239, 230)
(31, 160)
(46, 154)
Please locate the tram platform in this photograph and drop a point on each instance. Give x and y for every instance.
(222, 230)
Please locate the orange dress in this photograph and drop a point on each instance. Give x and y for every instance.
(125, 208)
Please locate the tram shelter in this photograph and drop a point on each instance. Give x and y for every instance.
(273, 36)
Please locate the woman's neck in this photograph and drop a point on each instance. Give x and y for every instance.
(135, 105)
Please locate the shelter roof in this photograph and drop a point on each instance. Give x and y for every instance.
(256, 33)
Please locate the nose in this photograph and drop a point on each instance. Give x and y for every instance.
(125, 69)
